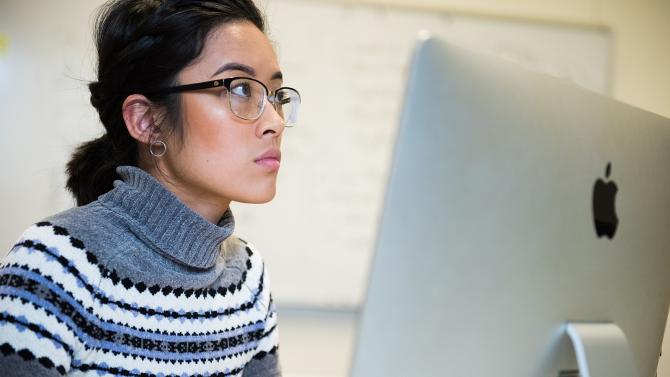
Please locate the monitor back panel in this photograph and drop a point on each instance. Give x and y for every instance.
(487, 243)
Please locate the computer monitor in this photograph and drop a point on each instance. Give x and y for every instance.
(524, 217)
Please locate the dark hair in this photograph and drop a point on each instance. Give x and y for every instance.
(142, 45)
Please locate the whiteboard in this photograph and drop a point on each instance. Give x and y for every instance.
(349, 63)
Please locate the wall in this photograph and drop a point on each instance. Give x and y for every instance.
(640, 27)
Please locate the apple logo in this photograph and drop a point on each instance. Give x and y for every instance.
(604, 211)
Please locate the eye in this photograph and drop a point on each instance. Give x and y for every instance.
(282, 97)
(241, 89)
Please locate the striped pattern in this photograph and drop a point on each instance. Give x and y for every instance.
(60, 308)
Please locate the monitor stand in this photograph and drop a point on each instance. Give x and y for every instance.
(601, 349)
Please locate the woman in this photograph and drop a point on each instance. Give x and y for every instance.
(144, 277)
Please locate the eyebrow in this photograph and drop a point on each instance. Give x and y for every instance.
(246, 69)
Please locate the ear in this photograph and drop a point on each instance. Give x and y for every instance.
(139, 118)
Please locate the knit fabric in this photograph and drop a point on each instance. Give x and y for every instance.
(135, 284)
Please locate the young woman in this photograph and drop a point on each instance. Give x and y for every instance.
(144, 276)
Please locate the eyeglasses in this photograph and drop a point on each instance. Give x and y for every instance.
(247, 97)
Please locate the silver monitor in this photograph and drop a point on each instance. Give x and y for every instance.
(525, 232)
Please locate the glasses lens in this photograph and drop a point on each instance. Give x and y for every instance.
(287, 103)
(247, 98)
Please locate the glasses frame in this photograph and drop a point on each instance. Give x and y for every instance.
(269, 96)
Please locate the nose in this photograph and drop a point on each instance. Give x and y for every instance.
(270, 121)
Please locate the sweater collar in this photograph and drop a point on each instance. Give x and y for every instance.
(161, 218)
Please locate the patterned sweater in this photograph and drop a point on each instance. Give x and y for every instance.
(135, 284)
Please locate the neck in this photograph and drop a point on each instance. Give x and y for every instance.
(162, 219)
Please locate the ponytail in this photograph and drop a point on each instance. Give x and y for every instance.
(91, 170)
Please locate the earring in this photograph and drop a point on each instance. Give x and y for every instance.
(157, 144)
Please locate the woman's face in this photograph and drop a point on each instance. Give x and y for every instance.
(221, 159)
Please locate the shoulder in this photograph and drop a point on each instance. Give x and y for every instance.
(87, 223)
(265, 361)
(65, 247)
(50, 254)
(243, 256)
(50, 239)
(94, 229)
(246, 267)
(61, 239)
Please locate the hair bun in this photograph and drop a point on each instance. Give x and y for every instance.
(97, 97)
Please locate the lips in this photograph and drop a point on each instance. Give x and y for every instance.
(270, 159)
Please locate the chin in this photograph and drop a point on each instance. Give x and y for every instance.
(257, 197)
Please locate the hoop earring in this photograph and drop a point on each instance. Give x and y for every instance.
(159, 144)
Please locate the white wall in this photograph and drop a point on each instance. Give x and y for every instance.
(641, 31)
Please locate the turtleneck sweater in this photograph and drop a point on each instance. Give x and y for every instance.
(135, 284)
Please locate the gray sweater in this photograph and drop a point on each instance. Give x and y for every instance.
(135, 284)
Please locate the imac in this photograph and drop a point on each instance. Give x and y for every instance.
(525, 231)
